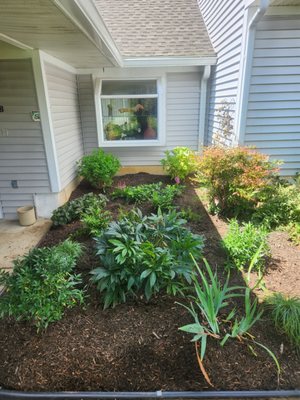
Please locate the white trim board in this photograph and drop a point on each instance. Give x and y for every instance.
(169, 61)
(57, 62)
(46, 121)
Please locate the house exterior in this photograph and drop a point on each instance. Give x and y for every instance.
(256, 81)
(137, 78)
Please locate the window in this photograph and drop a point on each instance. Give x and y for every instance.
(130, 112)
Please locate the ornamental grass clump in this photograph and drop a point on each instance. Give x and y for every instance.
(179, 163)
(42, 285)
(234, 177)
(98, 168)
(285, 312)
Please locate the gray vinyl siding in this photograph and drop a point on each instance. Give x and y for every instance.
(273, 117)
(182, 119)
(87, 112)
(22, 153)
(224, 22)
(65, 115)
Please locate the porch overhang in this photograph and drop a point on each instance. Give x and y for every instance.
(61, 28)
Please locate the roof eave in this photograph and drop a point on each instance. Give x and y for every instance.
(171, 61)
(86, 16)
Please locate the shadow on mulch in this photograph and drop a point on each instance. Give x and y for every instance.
(137, 346)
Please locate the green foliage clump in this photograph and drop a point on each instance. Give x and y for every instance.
(244, 244)
(145, 253)
(74, 209)
(179, 162)
(96, 220)
(190, 215)
(234, 177)
(279, 205)
(285, 311)
(98, 168)
(42, 285)
(159, 196)
(207, 308)
(293, 229)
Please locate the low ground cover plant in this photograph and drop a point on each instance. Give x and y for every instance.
(145, 254)
(160, 196)
(98, 168)
(285, 312)
(179, 163)
(42, 285)
(234, 178)
(77, 208)
(211, 321)
(246, 245)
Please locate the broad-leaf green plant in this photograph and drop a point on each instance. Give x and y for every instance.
(179, 163)
(42, 285)
(145, 254)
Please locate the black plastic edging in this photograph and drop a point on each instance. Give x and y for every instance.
(263, 394)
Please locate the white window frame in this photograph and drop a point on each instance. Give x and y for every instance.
(161, 112)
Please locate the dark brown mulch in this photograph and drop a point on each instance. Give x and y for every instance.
(137, 346)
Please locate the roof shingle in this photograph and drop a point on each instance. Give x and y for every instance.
(153, 28)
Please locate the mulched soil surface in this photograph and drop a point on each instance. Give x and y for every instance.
(137, 346)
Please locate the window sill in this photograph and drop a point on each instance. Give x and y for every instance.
(131, 143)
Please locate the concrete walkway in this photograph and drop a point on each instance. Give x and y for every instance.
(16, 240)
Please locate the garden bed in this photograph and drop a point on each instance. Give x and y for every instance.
(137, 346)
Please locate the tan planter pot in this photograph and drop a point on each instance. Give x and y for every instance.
(26, 215)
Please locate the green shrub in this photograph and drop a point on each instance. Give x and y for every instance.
(234, 177)
(244, 244)
(98, 168)
(190, 215)
(279, 206)
(285, 311)
(159, 196)
(179, 163)
(42, 285)
(74, 209)
(145, 253)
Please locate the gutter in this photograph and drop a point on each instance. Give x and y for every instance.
(246, 67)
(262, 394)
(202, 109)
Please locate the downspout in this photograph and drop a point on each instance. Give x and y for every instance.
(202, 109)
(242, 102)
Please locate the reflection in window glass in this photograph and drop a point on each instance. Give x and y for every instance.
(130, 117)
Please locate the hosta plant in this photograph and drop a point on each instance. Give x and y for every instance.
(74, 209)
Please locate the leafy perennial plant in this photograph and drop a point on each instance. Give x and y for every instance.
(42, 285)
(145, 253)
